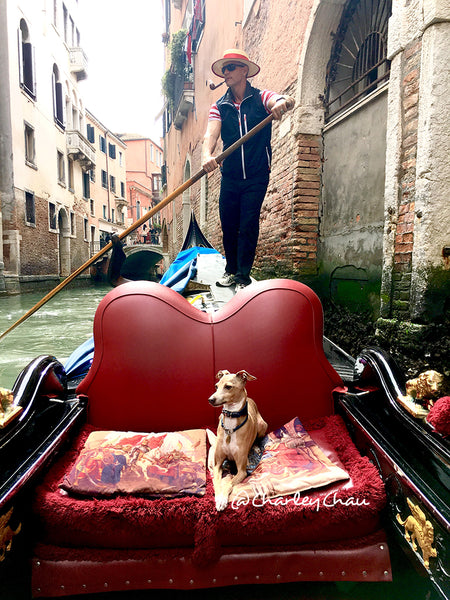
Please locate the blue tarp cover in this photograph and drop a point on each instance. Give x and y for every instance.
(184, 268)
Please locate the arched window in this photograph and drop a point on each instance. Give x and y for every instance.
(58, 109)
(358, 63)
(26, 61)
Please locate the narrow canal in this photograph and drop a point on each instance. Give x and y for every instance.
(57, 328)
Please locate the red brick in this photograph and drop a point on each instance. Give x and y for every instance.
(410, 101)
(307, 185)
(402, 258)
(403, 248)
(412, 50)
(404, 228)
(403, 209)
(410, 140)
(308, 193)
(307, 157)
(307, 213)
(412, 76)
(308, 176)
(409, 164)
(308, 142)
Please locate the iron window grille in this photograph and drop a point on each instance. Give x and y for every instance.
(358, 64)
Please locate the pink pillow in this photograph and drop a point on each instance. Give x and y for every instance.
(155, 464)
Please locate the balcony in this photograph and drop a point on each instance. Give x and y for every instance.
(184, 101)
(78, 63)
(78, 148)
(121, 202)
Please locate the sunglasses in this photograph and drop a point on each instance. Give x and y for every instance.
(231, 67)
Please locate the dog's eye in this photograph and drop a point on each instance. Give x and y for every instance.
(216, 386)
(228, 386)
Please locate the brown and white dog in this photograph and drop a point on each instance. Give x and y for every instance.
(239, 425)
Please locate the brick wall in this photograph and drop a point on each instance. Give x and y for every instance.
(38, 246)
(290, 215)
(404, 237)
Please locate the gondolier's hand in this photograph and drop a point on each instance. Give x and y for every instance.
(209, 164)
(212, 135)
(280, 106)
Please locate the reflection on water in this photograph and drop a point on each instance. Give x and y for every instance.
(57, 328)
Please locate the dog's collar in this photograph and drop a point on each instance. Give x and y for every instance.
(230, 431)
(237, 414)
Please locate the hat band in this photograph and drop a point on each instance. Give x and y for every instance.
(235, 57)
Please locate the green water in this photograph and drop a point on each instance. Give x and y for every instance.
(57, 328)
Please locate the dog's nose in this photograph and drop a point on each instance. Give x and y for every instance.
(212, 400)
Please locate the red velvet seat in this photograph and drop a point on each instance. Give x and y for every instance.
(154, 368)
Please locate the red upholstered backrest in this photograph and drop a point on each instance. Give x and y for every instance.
(156, 356)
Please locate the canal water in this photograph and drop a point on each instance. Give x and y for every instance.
(57, 328)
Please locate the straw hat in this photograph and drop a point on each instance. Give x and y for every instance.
(234, 56)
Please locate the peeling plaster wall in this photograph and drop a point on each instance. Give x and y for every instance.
(351, 231)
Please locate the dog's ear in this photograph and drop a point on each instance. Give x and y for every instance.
(220, 374)
(245, 376)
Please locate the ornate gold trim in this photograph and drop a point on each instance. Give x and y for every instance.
(8, 411)
(6, 534)
(418, 530)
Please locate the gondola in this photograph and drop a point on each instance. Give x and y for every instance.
(411, 456)
(49, 405)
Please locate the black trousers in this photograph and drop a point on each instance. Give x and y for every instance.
(240, 204)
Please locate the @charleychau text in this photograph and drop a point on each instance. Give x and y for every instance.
(327, 501)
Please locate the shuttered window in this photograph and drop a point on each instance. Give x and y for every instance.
(30, 208)
(90, 134)
(26, 61)
(58, 108)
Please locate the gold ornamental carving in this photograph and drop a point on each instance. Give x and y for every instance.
(7, 534)
(419, 531)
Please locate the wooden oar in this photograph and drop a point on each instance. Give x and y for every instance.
(187, 184)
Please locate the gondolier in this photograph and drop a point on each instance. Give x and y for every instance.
(245, 173)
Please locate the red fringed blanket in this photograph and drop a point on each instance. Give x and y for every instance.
(340, 511)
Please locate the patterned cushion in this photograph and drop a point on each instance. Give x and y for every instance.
(155, 464)
(291, 462)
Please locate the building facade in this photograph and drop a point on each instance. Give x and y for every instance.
(105, 185)
(63, 173)
(44, 150)
(357, 205)
(144, 162)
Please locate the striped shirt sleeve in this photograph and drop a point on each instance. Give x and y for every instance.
(266, 96)
(214, 114)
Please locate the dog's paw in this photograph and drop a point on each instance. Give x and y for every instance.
(221, 502)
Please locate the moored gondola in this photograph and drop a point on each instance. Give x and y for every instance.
(410, 455)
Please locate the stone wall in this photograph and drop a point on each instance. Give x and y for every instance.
(404, 234)
(416, 272)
